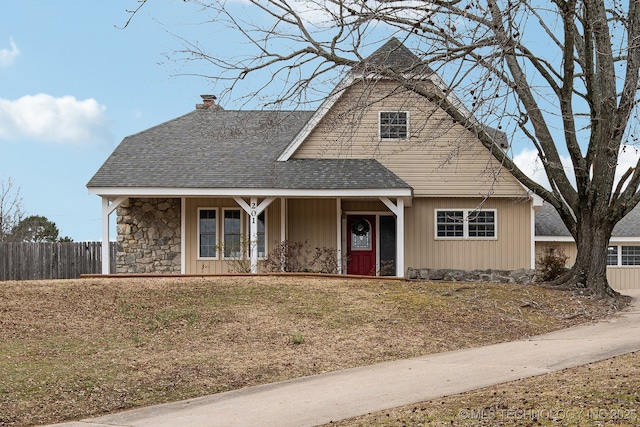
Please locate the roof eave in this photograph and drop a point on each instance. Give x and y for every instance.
(256, 192)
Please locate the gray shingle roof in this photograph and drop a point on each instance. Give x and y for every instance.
(548, 223)
(215, 148)
(396, 56)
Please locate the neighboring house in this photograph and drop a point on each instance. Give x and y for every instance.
(623, 259)
(379, 174)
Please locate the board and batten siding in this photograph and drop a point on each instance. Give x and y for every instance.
(619, 277)
(441, 158)
(510, 251)
(312, 221)
(193, 265)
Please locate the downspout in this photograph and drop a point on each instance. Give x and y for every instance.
(536, 203)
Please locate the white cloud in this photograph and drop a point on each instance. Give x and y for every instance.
(63, 120)
(8, 56)
(529, 162)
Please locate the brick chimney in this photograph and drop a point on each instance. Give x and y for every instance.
(207, 102)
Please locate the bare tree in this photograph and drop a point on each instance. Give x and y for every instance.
(559, 75)
(10, 208)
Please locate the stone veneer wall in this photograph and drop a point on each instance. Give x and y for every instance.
(524, 277)
(148, 236)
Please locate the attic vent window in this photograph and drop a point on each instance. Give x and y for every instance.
(394, 125)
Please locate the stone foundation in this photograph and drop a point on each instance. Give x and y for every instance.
(148, 236)
(522, 276)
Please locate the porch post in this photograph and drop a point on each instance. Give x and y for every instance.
(283, 228)
(400, 238)
(339, 234)
(398, 210)
(106, 261)
(183, 232)
(107, 208)
(253, 209)
(253, 234)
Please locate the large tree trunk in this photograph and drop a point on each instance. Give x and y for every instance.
(589, 273)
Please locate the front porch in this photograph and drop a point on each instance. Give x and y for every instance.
(204, 226)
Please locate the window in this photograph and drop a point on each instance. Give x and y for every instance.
(482, 224)
(466, 223)
(612, 255)
(207, 233)
(394, 125)
(631, 255)
(232, 234)
(450, 223)
(619, 255)
(260, 221)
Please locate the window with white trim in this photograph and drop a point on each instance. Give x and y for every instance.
(394, 124)
(466, 224)
(612, 255)
(232, 233)
(630, 255)
(207, 233)
(623, 255)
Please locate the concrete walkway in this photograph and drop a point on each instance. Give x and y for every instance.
(329, 397)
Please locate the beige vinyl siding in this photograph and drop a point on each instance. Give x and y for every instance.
(440, 158)
(569, 248)
(619, 277)
(312, 221)
(510, 251)
(206, 266)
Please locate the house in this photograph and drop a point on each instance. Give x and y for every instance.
(380, 175)
(623, 258)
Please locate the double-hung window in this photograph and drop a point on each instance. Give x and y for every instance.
(466, 224)
(394, 125)
(232, 234)
(207, 233)
(612, 255)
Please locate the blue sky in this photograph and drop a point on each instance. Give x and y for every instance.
(72, 85)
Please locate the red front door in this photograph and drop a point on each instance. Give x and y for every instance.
(361, 245)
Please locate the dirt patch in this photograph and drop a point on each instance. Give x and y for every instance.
(78, 348)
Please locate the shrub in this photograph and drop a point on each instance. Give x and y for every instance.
(295, 257)
(550, 264)
(237, 255)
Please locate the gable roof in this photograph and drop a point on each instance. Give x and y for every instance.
(216, 148)
(549, 224)
(395, 56)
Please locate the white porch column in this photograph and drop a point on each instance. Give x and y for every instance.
(339, 233)
(400, 238)
(107, 208)
(183, 232)
(398, 210)
(253, 210)
(283, 228)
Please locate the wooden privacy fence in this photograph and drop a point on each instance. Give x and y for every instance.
(32, 261)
